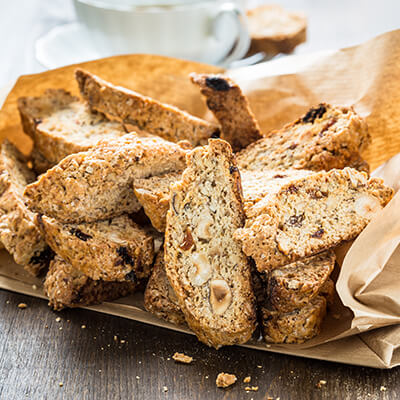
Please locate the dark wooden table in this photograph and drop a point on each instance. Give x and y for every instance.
(88, 355)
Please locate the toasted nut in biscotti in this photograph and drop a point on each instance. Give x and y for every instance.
(207, 269)
(66, 286)
(304, 216)
(142, 112)
(231, 108)
(97, 184)
(326, 137)
(111, 250)
(19, 232)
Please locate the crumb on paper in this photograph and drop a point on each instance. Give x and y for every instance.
(224, 380)
(34, 287)
(383, 389)
(247, 379)
(182, 358)
(60, 328)
(165, 389)
(115, 338)
(320, 384)
(137, 377)
(83, 326)
(58, 319)
(22, 306)
(259, 366)
(60, 384)
(122, 341)
(251, 388)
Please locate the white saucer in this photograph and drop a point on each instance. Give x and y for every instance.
(64, 45)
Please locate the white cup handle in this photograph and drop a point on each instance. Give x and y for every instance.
(242, 42)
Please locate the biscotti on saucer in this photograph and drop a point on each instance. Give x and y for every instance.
(231, 108)
(113, 250)
(143, 113)
(66, 286)
(19, 232)
(207, 270)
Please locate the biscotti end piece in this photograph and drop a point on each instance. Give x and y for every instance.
(112, 250)
(311, 214)
(143, 113)
(326, 137)
(159, 297)
(18, 230)
(205, 266)
(275, 30)
(66, 286)
(153, 194)
(296, 326)
(32, 110)
(295, 285)
(231, 108)
(97, 184)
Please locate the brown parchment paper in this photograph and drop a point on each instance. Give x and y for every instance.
(363, 327)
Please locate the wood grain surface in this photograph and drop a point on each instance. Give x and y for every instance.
(38, 353)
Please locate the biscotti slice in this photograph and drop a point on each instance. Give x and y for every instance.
(112, 250)
(18, 230)
(143, 113)
(66, 286)
(159, 297)
(32, 110)
(275, 30)
(205, 266)
(296, 326)
(97, 184)
(231, 108)
(311, 214)
(295, 285)
(326, 137)
(153, 194)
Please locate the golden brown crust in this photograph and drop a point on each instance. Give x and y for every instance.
(142, 112)
(66, 286)
(97, 184)
(231, 108)
(206, 268)
(112, 250)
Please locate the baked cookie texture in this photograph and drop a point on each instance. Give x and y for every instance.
(112, 250)
(19, 233)
(39, 162)
(66, 286)
(308, 215)
(325, 138)
(143, 113)
(68, 129)
(159, 297)
(296, 326)
(231, 108)
(295, 285)
(97, 184)
(153, 195)
(275, 30)
(207, 270)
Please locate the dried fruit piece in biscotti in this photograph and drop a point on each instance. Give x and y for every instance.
(112, 250)
(153, 194)
(159, 297)
(296, 326)
(144, 113)
(305, 216)
(66, 286)
(205, 266)
(32, 110)
(295, 285)
(231, 108)
(97, 184)
(68, 127)
(18, 230)
(326, 137)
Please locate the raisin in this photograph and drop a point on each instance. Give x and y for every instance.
(218, 84)
(173, 203)
(292, 189)
(278, 176)
(216, 134)
(296, 220)
(43, 258)
(314, 113)
(318, 234)
(79, 234)
(233, 169)
(187, 242)
(131, 276)
(125, 256)
(293, 146)
(37, 121)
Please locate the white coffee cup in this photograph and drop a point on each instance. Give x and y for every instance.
(209, 31)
